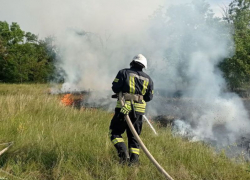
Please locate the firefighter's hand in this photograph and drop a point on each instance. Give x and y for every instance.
(126, 109)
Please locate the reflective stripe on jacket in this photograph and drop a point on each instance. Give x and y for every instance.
(134, 81)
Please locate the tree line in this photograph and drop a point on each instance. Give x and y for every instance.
(25, 58)
(236, 69)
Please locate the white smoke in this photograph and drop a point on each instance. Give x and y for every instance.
(195, 43)
(183, 44)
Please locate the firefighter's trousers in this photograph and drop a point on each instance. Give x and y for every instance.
(117, 127)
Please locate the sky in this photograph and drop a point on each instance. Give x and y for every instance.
(217, 4)
(33, 15)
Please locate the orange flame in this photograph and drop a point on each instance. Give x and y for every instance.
(67, 100)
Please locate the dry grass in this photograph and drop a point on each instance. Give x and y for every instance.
(57, 142)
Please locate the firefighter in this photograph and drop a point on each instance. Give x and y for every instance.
(137, 89)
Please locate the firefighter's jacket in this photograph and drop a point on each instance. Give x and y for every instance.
(134, 81)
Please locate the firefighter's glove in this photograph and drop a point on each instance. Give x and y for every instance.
(126, 109)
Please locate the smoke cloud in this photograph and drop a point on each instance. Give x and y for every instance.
(183, 43)
(192, 43)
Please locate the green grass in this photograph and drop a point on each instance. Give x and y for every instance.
(52, 141)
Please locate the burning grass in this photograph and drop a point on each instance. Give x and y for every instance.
(72, 100)
(67, 100)
(54, 141)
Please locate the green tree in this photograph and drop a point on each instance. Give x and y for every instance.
(23, 57)
(237, 69)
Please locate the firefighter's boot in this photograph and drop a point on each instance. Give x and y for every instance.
(134, 156)
(122, 152)
(134, 160)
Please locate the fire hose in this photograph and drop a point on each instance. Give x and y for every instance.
(6, 149)
(144, 148)
(150, 125)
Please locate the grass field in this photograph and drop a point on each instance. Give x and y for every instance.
(52, 141)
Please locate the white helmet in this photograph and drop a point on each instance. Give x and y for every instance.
(141, 59)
